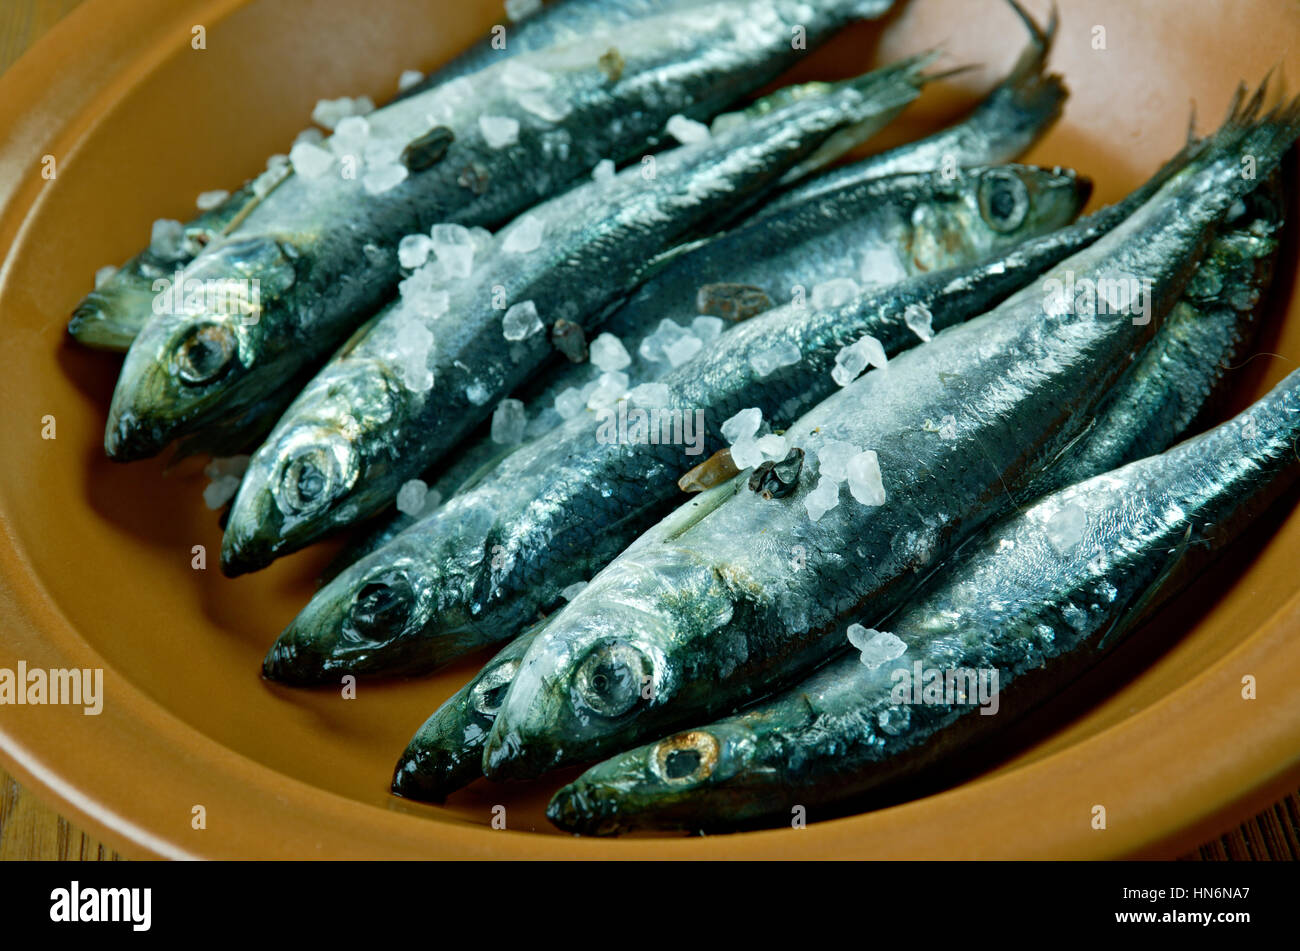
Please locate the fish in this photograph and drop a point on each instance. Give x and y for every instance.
(425, 371)
(1040, 600)
(112, 315)
(1010, 118)
(446, 753)
(1176, 376)
(554, 512)
(752, 596)
(287, 286)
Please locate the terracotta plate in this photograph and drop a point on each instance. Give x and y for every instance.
(96, 562)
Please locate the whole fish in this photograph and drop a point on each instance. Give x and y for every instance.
(554, 512)
(1037, 602)
(1005, 123)
(752, 595)
(112, 315)
(413, 383)
(1206, 331)
(287, 286)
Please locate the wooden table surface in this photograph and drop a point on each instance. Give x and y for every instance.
(31, 830)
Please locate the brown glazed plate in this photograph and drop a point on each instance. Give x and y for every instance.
(95, 558)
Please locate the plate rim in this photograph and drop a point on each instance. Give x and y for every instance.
(60, 756)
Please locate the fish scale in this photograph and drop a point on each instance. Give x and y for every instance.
(320, 280)
(721, 615)
(110, 317)
(1035, 609)
(444, 600)
(1017, 110)
(361, 426)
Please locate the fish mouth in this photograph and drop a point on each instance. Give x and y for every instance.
(292, 662)
(427, 774)
(581, 808)
(251, 527)
(241, 558)
(129, 437)
(92, 324)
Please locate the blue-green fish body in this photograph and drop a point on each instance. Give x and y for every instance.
(472, 152)
(1039, 599)
(756, 593)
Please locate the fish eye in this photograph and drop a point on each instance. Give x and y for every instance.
(383, 607)
(205, 353)
(1004, 200)
(311, 478)
(609, 680)
(686, 757)
(486, 696)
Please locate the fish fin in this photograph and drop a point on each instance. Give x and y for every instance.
(1135, 610)
(1031, 61)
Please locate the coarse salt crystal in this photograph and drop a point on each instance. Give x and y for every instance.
(650, 395)
(834, 293)
(411, 496)
(384, 178)
(682, 349)
(687, 131)
(508, 422)
(167, 240)
(454, 247)
(524, 236)
(864, 479)
(414, 250)
(310, 161)
(919, 320)
(877, 647)
(570, 402)
(785, 353)
(521, 321)
(608, 353)
(743, 425)
(824, 497)
(210, 200)
(516, 74)
(499, 131)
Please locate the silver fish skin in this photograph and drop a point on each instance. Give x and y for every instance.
(1017, 111)
(316, 281)
(554, 512)
(1169, 385)
(370, 420)
(755, 594)
(110, 317)
(1037, 602)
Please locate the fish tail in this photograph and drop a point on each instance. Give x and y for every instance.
(1033, 59)
(1246, 149)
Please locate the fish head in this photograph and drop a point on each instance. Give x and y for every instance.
(982, 211)
(687, 772)
(366, 620)
(446, 753)
(190, 358)
(406, 608)
(581, 688)
(306, 479)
